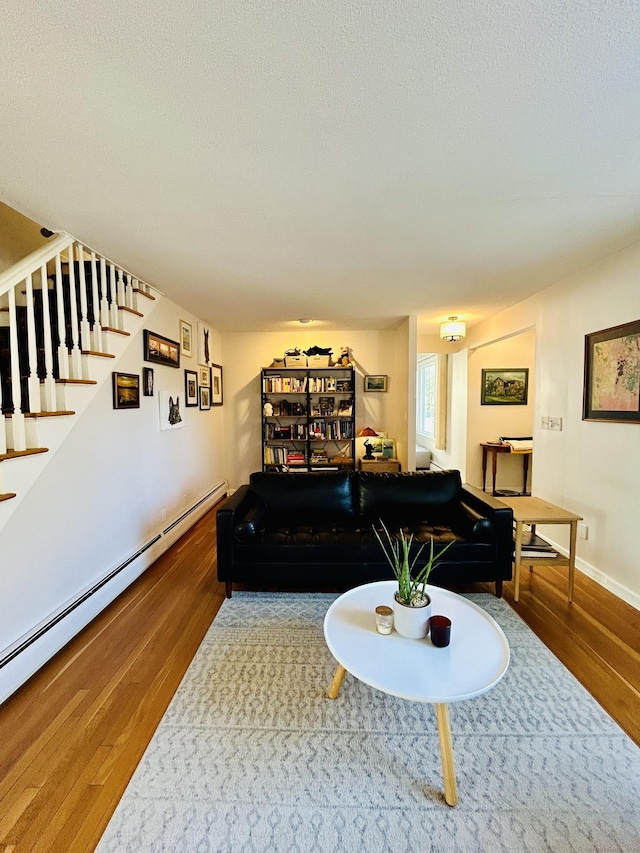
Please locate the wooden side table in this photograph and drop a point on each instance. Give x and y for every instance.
(494, 448)
(385, 465)
(530, 510)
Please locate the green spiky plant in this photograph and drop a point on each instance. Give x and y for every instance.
(411, 588)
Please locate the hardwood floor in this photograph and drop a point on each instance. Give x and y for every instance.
(73, 735)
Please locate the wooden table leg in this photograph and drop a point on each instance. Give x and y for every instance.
(517, 560)
(494, 471)
(572, 556)
(335, 685)
(484, 469)
(446, 754)
(525, 465)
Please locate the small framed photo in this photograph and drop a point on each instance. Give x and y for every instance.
(204, 344)
(205, 397)
(216, 385)
(147, 381)
(376, 382)
(190, 388)
(186, 337)
(204, 376)
(505, 387)
(126, 391)
(161, 350)
(612, 375)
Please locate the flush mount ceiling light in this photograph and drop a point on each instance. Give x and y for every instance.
(453, 329)
(304, 320)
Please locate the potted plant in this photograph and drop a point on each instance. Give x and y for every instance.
(411, 603)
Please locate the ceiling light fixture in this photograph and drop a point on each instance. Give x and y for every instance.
(453, 329)
(304, 320)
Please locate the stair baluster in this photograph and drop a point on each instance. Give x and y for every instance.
(33, 380)
(85, 331)
(18, 440)
(96, 340)
(113, 304)
(75, 353)
(48, 387)
(63, 352)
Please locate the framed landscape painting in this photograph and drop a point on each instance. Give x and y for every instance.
(612, 375)
(505, 386)
(376, 382)
(126, 391)
(161, 350)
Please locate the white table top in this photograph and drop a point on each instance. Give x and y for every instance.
(474, 661)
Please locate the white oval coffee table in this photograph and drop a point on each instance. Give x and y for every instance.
(474, 661)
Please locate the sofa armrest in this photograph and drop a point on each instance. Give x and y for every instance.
(231, 511)
(486, 510)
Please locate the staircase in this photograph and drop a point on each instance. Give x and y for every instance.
(65, 315)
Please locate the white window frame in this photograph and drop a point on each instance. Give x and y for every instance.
(433, 365)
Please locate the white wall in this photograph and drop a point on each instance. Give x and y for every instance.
(113, 484)
(245, 353)
(592, 469)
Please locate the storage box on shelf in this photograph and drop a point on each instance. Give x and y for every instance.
(308, 418)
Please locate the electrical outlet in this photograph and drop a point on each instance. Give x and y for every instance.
(555, 424)
(544, 423)
(583, 531)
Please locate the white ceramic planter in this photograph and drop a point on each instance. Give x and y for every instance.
(411, 622)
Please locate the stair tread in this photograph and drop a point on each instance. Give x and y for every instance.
(7, 496)
(44, 414)
(143, 293)
(117, 331)
(95, 352)
(76, 382)
(130, 310)
(16, 454)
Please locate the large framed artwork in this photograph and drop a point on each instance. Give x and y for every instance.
(505, 386)
(161, 350)
(612, 375)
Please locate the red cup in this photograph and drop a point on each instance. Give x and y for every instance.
(440, 631)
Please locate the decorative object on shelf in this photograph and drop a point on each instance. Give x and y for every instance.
(384, 619)
(612, 375)
(367, 433)
(440, 628)
(411, 603)
(453, 330)
(147, 381)
(505, 386)
(205, 398)
(344, 359)
(267, 409)
(161, 350)
(190, 388)
(126, 391)
(169, 407)
(204, 345)
(186, 337)
(377, 382)
(216, 385)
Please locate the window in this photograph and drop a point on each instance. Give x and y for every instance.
(431, 403)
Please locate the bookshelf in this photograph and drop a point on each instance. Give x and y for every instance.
(311, 423)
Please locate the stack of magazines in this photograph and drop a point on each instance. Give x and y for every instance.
(535, 546)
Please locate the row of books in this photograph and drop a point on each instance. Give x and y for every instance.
(535, 546)
(326, 406)
(321, 430)
(320, 384)
(289, 409)
(290, 432)
(284, 384)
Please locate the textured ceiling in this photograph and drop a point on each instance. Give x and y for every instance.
(353, 162)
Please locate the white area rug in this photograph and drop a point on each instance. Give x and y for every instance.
(251, 756)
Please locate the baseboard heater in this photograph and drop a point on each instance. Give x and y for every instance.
(73, 605)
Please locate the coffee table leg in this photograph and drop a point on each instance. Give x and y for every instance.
(335, 685)
(446, 754)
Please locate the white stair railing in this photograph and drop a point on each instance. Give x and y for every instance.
(43, 342)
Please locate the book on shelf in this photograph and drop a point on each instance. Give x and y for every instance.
(538, 555)
(533, 542)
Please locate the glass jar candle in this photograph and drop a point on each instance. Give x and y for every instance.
(384, 619)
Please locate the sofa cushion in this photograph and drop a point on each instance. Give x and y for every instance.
(298, 493)
(407, 495)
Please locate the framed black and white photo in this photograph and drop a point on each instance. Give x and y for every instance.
(216, 385)
(169, 408)
(147, 381)
(190, 388)
(186, 338)
(204, 376)
(205, 397)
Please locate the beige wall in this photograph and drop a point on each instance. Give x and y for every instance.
(245, 353)
(19, 237)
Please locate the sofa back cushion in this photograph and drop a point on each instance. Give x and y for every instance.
(300, 493)
(407, 495)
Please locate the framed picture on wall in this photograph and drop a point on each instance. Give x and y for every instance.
(205, 398)
(186, 338)
(505, 386)
(204, 344)
(204, 376)
(216, 385)
(377, 382)
(161, 350)
(147, 381)
(612, 375)
(190, 388)
(126, 391)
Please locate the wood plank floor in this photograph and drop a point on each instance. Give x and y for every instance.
(73, 735)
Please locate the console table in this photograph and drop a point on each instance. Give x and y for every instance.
(495, 447)
(530, 510)
(382, 465)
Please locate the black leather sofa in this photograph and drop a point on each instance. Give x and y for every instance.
(308, 530)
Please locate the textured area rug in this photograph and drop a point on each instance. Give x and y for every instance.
(252, 756)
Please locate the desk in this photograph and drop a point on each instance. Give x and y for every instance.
(382, 465)
(529, 510)
(494, 448)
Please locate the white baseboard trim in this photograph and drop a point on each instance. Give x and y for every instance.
(24, 657)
